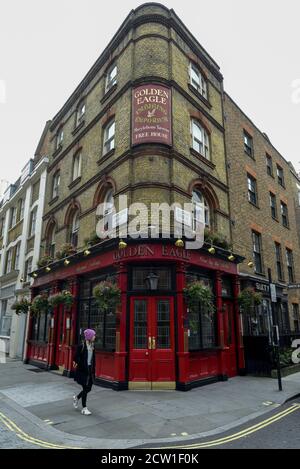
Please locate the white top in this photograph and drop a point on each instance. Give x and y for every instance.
(90, 354)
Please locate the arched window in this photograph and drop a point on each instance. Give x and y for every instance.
(200, 139)
(198, 199)
(197, 80)
(108, 209)
(74, 228)
(109, 137)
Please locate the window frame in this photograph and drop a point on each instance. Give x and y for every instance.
(280, 175)
(290, 265)
(59, 138)
(284, 214)
(248, 149)
(257, 254)
(279, 262)
(270, 170)
(199, 85)
(107, 140)
(207, 210)
(252, 191)
(55, 184)
(33, 219)
(80, 113)
(77, 164)
(202, 147)
(110, 81)
(273, 199)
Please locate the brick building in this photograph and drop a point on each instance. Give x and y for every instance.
(264, 201)
(106, 142)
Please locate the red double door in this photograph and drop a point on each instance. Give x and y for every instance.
(230, 339)
(152, 343)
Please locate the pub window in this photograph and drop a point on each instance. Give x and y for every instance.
(202, 329)
(140, 276)
(198, 201)
(258, 322)
(90, 315)
(283, 318)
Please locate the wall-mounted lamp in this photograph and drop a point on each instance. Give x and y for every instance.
(122, 244)
(35, 275)
(87, 252)
(212, 250)
(250, 264)
(179, 243)
(48, 269)
(66, 262)
(152, 281)
(231, 258)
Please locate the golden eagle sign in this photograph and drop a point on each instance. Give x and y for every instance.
(151, 114)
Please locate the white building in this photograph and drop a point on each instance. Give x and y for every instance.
(21, 211)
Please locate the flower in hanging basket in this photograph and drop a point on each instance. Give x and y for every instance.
(39, 305)
(196, 294)
(44, 261)
(107, 295)
(64, 298)
(248, 299)
(21, 306)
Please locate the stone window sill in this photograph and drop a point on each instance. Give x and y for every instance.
(75, 182)
(105, 157)
(53, 200)
(57, 151)
(78, 127)
(109, 93)
(202, 158)
(199, 96)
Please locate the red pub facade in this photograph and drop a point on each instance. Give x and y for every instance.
(146, 122)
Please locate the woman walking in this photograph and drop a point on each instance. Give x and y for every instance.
(84, 362)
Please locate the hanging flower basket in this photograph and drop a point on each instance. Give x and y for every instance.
(21, 306)
(64, 298)
(40, 304)
(196, 293)
(107, 295)
(44, 261)
(67, 249)
(248, 299)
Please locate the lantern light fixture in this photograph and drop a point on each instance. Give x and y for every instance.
(122, 244)
(179, 243)
(152, 281)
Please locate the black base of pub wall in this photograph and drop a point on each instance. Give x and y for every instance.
(115, 385)
(36, 363)
(201, 382)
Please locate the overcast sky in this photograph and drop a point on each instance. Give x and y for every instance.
(46, 47)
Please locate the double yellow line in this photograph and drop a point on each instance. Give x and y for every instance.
(241, 434)
(8, 423)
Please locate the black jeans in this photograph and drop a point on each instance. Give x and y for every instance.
(86, 389)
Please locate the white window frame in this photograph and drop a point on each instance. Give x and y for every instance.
(13, 217)
(109, 138)
(198, 198)
(59, 138)
(22, 209)
(200, 139)
(77, 161)
(80, 113)
(28, 265)
(197, 80)
(55, 184)
(111, 77)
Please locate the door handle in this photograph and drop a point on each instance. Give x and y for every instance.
(153, 343)
(149, 343)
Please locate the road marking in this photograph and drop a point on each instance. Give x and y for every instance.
(242, 433)
(30, 439)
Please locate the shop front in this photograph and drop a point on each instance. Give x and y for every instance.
(152, 340)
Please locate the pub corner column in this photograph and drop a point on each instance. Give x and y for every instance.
(121, 353)
(182, 325)
(220, 322)
(28, 345)
(239, 327)
(71, 326)
(53, 329)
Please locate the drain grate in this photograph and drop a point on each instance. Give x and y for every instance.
(36, 370)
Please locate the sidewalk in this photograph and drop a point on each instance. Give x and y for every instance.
(125, 419)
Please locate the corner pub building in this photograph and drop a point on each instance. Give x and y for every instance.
(145, 122)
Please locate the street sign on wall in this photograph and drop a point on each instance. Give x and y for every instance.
(152, 114)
